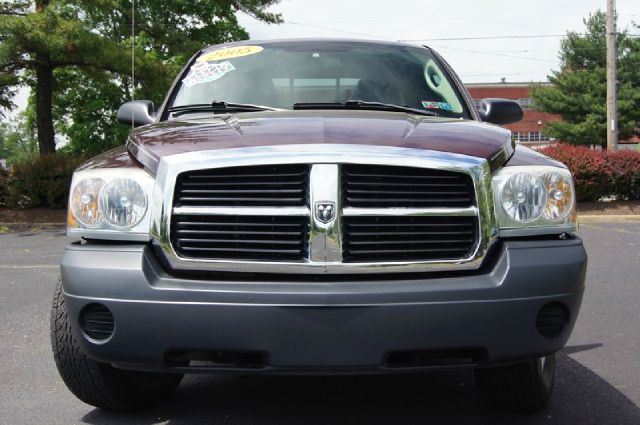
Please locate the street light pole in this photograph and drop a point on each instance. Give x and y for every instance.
(612, 100)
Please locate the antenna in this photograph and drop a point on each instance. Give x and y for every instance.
(133, 55)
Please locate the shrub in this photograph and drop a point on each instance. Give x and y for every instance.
(4, 175)
(42, 182)
(589, 169)
(625, 174)
(599, 173)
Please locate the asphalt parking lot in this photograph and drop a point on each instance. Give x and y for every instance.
(598, 377)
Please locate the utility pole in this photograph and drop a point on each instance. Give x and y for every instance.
(612, 97)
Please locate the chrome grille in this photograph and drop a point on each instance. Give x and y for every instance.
(381, 186)
(266, 185)
(407, 238)
(260, 238)
(394, 210)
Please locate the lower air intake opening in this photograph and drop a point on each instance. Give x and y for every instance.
(215, 359)
(434, 358)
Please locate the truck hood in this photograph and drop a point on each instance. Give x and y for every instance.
(200, 132)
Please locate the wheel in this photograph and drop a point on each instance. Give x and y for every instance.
(100, 384)
(523, 387)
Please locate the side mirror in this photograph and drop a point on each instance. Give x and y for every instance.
(500, 111)
(137, 113)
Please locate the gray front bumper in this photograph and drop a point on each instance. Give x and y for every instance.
(323, 326)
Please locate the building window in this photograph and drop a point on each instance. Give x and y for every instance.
(526, 103)
(531, 137)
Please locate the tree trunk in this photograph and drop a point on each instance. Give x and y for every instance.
(44, 105)
(44, 97)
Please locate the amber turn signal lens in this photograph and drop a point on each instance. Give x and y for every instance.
(84, 202)
(559, 196)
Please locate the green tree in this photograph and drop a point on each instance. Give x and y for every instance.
(578, 90)
(17, 140)
(87, 100)
(70, 52)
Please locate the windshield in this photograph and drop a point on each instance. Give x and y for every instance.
(281, 75)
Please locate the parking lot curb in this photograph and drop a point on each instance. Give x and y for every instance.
(586, 219)
(30, 227)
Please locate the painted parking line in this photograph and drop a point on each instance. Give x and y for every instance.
(34, 266)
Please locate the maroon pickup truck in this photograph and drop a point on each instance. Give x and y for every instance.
(317, 207)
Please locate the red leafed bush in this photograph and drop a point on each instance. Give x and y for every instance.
(590, 169)
(624, 174)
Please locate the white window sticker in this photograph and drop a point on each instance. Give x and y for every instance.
(203, 72)
(437, 105)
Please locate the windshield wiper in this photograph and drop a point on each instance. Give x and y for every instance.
(361, 104)
(218, 108)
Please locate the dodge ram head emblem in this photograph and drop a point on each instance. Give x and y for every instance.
(325, 211)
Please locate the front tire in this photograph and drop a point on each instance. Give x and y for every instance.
(100, 384)
(523, 387)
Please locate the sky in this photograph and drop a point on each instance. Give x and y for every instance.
(432, 22)
(435, 23)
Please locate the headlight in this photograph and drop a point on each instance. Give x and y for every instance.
(123, 202)
(540, 199)
(523, 197)
(110, 204)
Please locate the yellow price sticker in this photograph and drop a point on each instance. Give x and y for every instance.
(229, 53)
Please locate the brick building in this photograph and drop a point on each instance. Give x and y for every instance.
(530, 129)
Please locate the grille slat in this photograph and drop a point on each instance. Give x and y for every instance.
(404, 201)
(259, 186)
(243, 183)
(237, 223)
(380, 186)
(234, 232)
(407, 238)
(403, 251)
(216, 174)
(224, 191)
(184, 241)
(402, 234)
(402, 186)
(235, 201)
(405, 190)
(400, 174)
(411, 242)
(247, 250)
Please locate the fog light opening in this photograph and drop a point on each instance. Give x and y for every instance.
(96, 322)
(552, 318)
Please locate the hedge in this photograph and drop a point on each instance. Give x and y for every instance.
(599, 173)
(4, 175)
(42, 182)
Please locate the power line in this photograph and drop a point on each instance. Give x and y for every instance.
(480, 52)
(442, 47)
(470, 38)
(508, 37)
(458, 18)
(489, 37)
(340, 31)
(500, 74)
